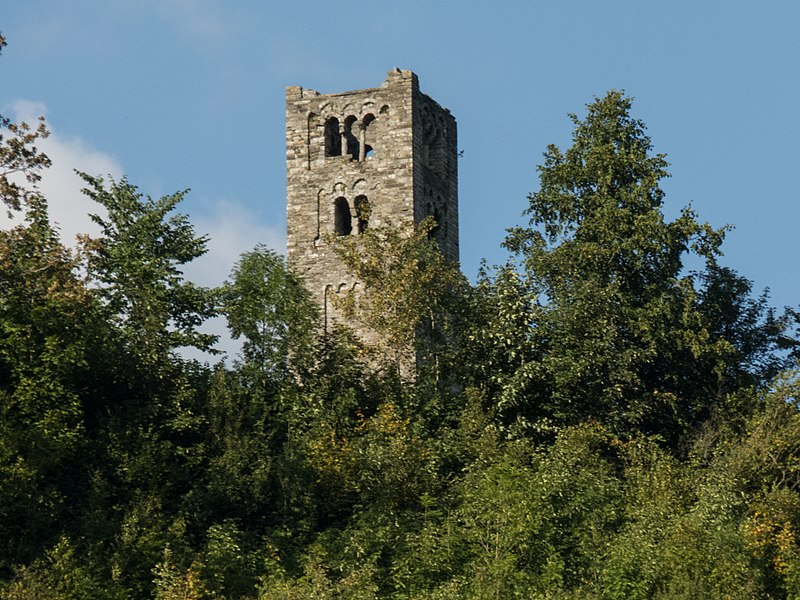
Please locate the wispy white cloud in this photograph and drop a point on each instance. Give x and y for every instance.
(69, 208)
(232, 229)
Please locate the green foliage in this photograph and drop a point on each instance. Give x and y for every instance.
(46, 327)
(317, 583)
(501, 353)
(172, 583)
(269, 306)
(409, 293)
(20, 159)
(588, 421)
(750, 325)
(241, 446)
(616, 329)
(59, 575)
(136, 263)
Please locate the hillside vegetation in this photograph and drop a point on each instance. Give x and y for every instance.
(588, 420)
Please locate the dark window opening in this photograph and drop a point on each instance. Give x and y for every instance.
(363, 211)
(333, 139)
(342, 219)
(352, 140)
(368, 134)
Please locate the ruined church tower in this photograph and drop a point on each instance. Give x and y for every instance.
(360, 159)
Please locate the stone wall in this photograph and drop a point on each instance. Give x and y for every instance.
(363, 159)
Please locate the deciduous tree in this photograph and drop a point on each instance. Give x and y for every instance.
(618, 332)
(20, 159)
(136, 262)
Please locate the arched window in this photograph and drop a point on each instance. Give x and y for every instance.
(342, 219)
(333, 139)
(368, 135)
(350, 135)
(363, 211)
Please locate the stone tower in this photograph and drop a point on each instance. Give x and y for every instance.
(361, 159)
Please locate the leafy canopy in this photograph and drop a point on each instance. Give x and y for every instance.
(137, 263)
(617, 332)
(270, 308)
(20, 159)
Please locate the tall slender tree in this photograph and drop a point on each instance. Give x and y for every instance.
(619, 332)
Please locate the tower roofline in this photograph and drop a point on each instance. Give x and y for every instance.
(393, 76)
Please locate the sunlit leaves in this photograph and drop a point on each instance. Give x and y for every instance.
(137, 262)
(270, 308)
(407, 284)
(618, 331)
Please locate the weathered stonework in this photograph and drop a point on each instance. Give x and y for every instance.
(361, 159)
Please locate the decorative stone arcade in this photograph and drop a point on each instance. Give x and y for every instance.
(360, 159)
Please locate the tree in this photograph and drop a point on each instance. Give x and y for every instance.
(148, 404)
(47, 325)
(410, 294)
(19, 156)
(269, 307)
(248, 406)
(617, 331)
(136, 264)
(758, 335)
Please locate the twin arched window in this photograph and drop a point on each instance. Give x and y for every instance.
(343, 217)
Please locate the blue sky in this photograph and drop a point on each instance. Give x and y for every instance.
(190, 94)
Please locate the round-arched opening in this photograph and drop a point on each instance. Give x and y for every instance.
(363, 211)
(333, 139)
(342, 219)
(369, 135)
(352, 140)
